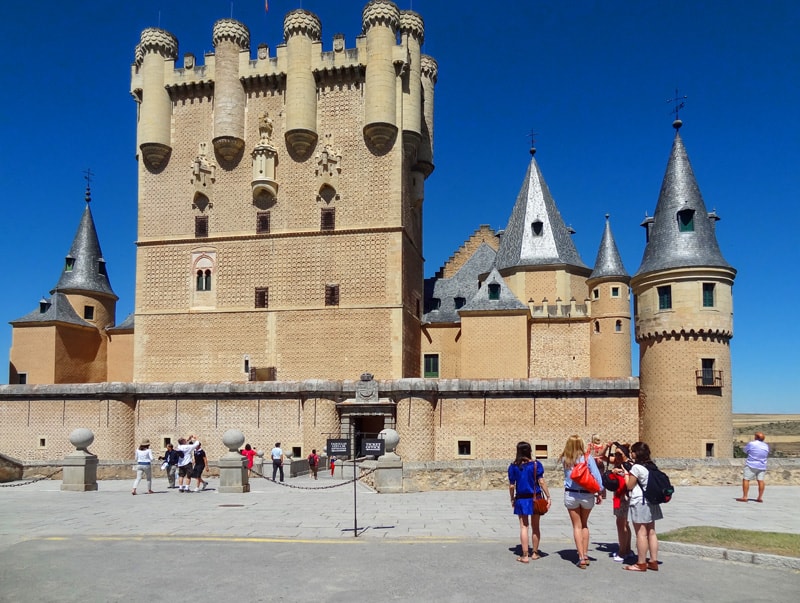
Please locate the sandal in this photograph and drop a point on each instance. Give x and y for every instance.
(581, 564)
(652, 565)
(134, 492)
(522, 559)
(636, 567)
(586, 561)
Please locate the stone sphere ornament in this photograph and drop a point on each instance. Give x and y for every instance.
(390, 438)
(233, 439)
(81, 438)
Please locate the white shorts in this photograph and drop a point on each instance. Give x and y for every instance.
(753, 474)
(573, 500)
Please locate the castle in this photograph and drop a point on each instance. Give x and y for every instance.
(279, 255)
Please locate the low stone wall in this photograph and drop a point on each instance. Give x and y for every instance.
(489, 475)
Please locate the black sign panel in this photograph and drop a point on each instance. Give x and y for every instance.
(339, 447)
(372, 447)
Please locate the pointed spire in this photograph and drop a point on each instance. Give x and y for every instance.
(536, 234)
(681, 231)
(608, 262)
(85, 268)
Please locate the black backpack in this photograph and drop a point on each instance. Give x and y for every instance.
(659, 489)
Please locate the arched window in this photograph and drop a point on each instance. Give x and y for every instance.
(207, 279)
(618, 326)
(201, 281)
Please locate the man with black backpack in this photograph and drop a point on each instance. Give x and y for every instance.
(643, 512)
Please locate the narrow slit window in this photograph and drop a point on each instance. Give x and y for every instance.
(708, 295)
(686, 220)
(262, 222)
(665, 298)
(596, 326)
(331, 295)
(262, 297)
(618, 326)
(328, 218)
(201, 227)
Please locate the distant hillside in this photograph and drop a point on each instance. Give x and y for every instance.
(781, 431)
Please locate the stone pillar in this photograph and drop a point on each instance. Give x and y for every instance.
(258, 463)
(80, 467)
(302, 30)
(230, 38)
(412, 30)
(389, 473)
(380, 21)
(233, 466)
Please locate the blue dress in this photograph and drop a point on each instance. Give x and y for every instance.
(525, 480)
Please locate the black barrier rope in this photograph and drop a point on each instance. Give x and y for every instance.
(33, 481)
(337, 485)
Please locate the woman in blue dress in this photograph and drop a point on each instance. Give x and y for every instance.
(526, 480)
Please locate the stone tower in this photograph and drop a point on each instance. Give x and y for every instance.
(610, 309)
(280, 202)
(65, 339)
(683, 313)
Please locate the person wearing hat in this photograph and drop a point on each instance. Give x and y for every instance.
(144, 466)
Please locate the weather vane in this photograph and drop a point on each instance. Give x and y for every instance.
(679, 103)
(532, 136)
(88, 177)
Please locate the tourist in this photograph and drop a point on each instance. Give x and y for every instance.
(200, 465)
(755, 466)
(616, 482)
(578, 501)
(170, 458)
(144, 466)
(277, 460)
(250, 454)
(643, 513)
(525, 483)
(313, 463)
(598, 450)
(332, 463)
(186, 447)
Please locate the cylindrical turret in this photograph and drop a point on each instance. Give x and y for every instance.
(429, 71)
(229, 37)
(155, 113)
(380, 22)
(412, 29)
(301, 29)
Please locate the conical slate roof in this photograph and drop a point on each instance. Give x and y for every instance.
(506, 300)
(608, 262)
(55, 309)
(536, 234)
(85, 268)
(671, 245)
(463, 284)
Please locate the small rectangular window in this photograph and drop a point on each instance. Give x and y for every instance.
(614, 291)
(331, 295)
(494, 291)
(200, 226)
(69, 264)
(708, 295)
(459, 302)
(686, 220)
(42, 442)
(328, 218)
(707, 365)
(464, 448)
(262, 297)
(22, 378)
(88, 312)
(431, 368)
(709, 449)
(596, 293)
(541, 451)
(101, 267)
(665, 297)
(262, 222)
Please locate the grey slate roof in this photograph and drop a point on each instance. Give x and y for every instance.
(667, 247)
(608, 262)
(507, 301)
(87, 255)
(463, 283)
(58, 309)
(125, 325)
(519, 246)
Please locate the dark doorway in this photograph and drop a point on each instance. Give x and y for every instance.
(366, 427)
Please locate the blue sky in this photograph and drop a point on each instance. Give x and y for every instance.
(590, 78)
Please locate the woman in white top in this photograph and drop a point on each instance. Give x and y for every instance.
(643, 514)
(144, 466)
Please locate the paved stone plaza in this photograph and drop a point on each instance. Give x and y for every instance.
(288, 544)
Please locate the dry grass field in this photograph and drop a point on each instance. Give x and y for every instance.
(782, 432)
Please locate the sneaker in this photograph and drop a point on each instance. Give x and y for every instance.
(205, 485)
(618, 559)
(195, 490)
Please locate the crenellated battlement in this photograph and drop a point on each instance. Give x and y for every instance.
(302, 22)
(232, 30)
(380, 13)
